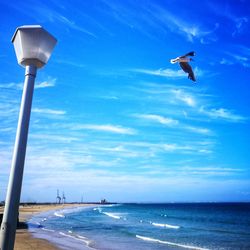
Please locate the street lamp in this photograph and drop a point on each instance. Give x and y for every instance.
(33, 46)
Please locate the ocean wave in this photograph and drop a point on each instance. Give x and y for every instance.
(59, 215)
(165, 225)
(98, 209)
(112, 215)
(169, 243)
(49, 230)
(111, 205)
(77, 237)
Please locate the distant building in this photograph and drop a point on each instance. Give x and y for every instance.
(103, 201)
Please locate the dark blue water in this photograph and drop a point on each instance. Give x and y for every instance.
(149, 226)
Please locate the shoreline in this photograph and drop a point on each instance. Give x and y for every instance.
(25, 240)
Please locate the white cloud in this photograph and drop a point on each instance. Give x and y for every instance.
(151, 17)
(212, 171)
(12, 85)
(199, 130)
(106, 128)
(162, 72)
(160, 119)
(44, 13)
(71, 63)
(170, 73)
(183, 27)
(226, 61)
(19, 86)
(71, 24)
(238, 23)
(184, 97)
(239, 56)
(49, 111)
(174, 123)
(55, 138)
(223, 114)
(46, 84)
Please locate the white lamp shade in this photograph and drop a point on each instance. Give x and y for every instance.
(33, 45)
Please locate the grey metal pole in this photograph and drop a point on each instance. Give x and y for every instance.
(9, 223)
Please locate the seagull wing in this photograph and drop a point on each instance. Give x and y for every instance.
(192, 53)
(188, 69)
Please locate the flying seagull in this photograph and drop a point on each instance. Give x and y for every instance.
(183, 62)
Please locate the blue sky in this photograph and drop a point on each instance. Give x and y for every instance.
(112, 118)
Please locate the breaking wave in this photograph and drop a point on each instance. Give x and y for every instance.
(112, 215)
(169, 243)
(59, 215)
(165, 225)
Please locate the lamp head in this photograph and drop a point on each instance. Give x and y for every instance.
(33, 45)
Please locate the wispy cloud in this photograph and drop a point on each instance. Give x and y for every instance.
(152, 16)
(71, 24)
(184, 97)
(236, 54)
(204, 131)
(173, 123)
(70, 63)
(183, 26)
(42, 12)
(49, 111)
(213, 171)
(12, 85)
(53, 137)
(46, 84)
(190, 30)
(223, 114)
(162, 72)
(157, 118)
(106, 128)
(168, 72)
(236, 57)
(196, 105)
(238, 23)
(185, 148)
(19, 86)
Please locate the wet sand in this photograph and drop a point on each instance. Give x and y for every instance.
(24, 238)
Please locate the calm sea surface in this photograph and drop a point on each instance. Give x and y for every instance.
(148, 226)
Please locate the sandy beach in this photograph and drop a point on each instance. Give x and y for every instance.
(24, 238)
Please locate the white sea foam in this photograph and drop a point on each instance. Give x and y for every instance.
(49, 230)
(163, 215)
(112, 215)
(77, 237)
(59, 215)
(169, 243)
(98, 209)
(165, 225)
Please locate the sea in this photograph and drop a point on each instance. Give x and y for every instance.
(196, 226)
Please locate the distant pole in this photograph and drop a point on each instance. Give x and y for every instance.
(10, 217)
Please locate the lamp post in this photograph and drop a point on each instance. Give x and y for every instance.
(33, 46)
